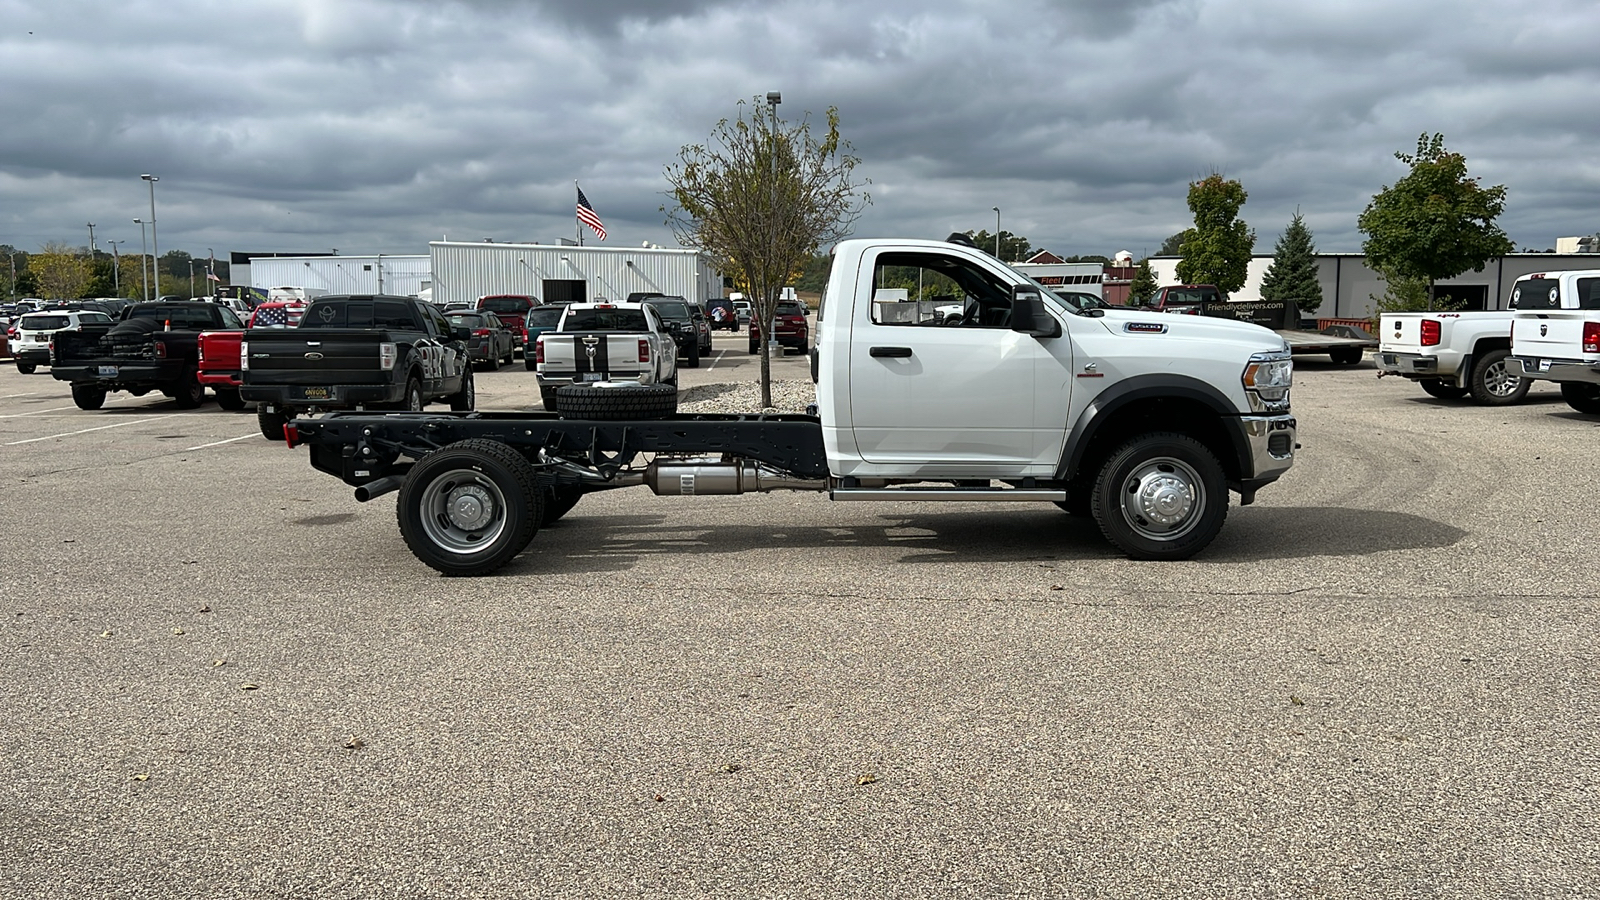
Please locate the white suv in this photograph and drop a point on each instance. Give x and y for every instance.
(31, 346)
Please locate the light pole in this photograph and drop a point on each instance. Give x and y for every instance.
(144, 274)
(92, 248)
(191, 278)
(155, 244)
(116, 267)
(13, 275)
(773, 99)
(997, 233)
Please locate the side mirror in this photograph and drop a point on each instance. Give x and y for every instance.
(1029, 315)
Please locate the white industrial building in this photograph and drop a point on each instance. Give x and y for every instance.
(403, 276)
(463, 272)
(1349, 285)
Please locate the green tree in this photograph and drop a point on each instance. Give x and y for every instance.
(1172, 246)
(63, 271)
(1013, 248)
(759, 197)
(814, 273)
(1143, 286)
(1401, 294)
(1293, 273)
(1436, 222)
(1217, 249)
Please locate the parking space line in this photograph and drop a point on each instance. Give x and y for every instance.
(87, 430)
(715, 360)
(36, 412)
(220, 443)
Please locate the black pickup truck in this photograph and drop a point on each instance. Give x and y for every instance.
(355, 352)
(154, 347)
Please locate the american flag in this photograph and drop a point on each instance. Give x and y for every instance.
(587, 216)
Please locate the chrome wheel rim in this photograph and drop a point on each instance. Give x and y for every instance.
(1162, 498)
(1499, 381)
(463, 511)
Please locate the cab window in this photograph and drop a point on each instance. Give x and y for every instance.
(934, 290)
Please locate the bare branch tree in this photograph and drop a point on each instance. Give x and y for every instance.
(759, 197)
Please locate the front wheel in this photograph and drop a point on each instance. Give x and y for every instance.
(1584, 398)
(1434, 387)
(470, 507)
(1160, 496)
(271, 423)
(88, 396)
(27, 368)
(466, 399)
(1493, 384)
(1345, 356)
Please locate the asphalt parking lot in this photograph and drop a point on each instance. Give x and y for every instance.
(223, 677)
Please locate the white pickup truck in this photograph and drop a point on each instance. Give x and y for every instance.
(1143, 420)
(622, 349)
(1452, 354)
(1555, 335)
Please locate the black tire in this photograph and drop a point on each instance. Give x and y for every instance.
(558, 502)
(1436, 388)
(511, 354)
(755, 347)
(548, 396)
(188, 393)
(694, 355)
(27, 368)
(1160, 496)
(229, 399)
(492, 364)
(623, 401)
(1492, 384)
(528, 362)
(412, 401)
(470, 507)
(465, 399)
(1584, 398)
(271, 423)
(88, 396)
(1345, 356)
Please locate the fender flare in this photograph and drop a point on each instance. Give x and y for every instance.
(1102, 409)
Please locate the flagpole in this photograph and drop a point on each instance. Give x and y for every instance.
(579, 229)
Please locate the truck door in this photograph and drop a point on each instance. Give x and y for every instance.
(938, 380)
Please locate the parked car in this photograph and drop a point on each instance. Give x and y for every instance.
(687, 324)
(745, 311)
(34, 331)
(512, 310)
(788, 327)
(491, 342)
(1080, 301)
(540, 320)
(721, 313)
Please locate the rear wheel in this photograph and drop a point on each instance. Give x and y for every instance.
(1492, 382)
(1160, 496)
(412, 401)
(1436, 388)
(27, 368)
(755, 347)
(229, 399)
(1345, 356)
(470, 507)
(622, 401)
(88, 396)
(188, 392)
(694, 354)
(271, 423)
(1584, 398)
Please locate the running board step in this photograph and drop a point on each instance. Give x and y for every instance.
(951, 495)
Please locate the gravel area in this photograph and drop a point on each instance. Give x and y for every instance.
(745, 396)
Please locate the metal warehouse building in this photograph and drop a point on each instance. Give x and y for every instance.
(463, 272)
(381, 274)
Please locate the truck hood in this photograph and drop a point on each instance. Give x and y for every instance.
(1247, 337)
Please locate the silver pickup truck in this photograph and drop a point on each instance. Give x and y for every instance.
(618, 348)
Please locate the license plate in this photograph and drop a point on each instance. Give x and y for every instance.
(1544, 365)
(108, 371)
(314, 393)
(592, 376)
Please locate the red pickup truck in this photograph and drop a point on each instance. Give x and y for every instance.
(219, 366)
(512, 309)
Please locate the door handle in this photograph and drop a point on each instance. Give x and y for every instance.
(891, 352)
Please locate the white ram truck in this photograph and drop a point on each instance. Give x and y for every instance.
(608, 350)
(1452, 354)
(1143, 420)
(1555, 335)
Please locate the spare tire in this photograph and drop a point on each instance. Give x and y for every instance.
(617, 402)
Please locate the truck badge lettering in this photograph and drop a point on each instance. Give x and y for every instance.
(313, 355)
(1146, 328)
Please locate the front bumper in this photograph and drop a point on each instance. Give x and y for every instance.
(1271, 442)
(1409, 365)
(31, 354)
(1553, 369)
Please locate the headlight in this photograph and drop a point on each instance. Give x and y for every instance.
(1267, 379)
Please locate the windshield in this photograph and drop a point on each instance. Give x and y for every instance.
(44, 323)
(672, 312)
(790, 309)
(605, 320)
(544, 317)
(504, 304)
(471, 320)
(179, 317)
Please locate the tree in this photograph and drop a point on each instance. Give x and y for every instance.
(63, 271)
(814, 273)
(1436, 222)
(1013, 248)
(1401, 294)
(759, 197)
(1172, 246)
(1217, 249)
(1293, 273)
(1143, 286)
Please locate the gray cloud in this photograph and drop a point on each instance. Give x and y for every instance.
(380, 124)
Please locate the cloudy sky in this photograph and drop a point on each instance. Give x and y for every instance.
(378, 125)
